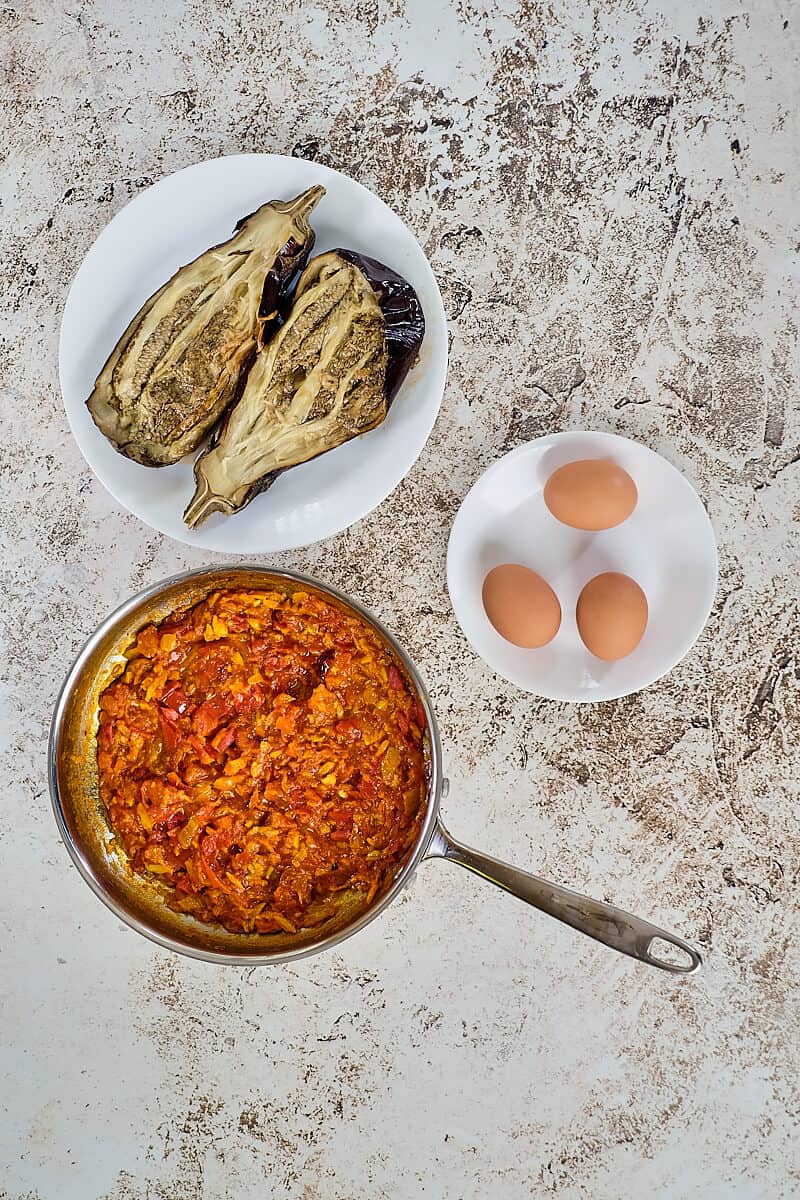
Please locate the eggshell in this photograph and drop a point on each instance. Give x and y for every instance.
(611, 615)
(593, 493)
(521, 605)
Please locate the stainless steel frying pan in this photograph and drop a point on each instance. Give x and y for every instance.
(83, 826)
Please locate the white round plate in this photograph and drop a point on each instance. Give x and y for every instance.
(170, 224)
(667, 545)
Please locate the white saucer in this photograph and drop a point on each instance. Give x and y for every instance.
(169, 225)
(667, 545)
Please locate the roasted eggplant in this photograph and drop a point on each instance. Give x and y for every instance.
(329, 374)
(181, 361)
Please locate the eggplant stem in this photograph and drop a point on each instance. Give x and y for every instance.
(203, 503)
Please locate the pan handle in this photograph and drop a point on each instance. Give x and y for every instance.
(620, 930)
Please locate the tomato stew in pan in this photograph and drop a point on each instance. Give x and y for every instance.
(261, 755)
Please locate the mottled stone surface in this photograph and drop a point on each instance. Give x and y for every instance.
(608, 194)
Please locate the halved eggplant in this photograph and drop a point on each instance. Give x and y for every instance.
(329, 374)
(180, 362)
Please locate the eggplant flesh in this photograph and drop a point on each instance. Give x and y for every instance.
(402, 314)
(182, 359)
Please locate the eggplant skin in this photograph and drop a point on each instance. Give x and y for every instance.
(183, 358)
(327, 376)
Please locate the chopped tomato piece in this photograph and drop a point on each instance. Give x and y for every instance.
(175, 698)
(201, 749)
(170, 734)
(395, 678)
(252, 699)
(224, 739)
(210, 715)
(348, 728)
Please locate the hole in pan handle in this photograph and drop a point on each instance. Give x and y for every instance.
(620, 930)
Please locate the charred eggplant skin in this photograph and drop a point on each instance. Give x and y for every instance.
(402, 314)
(183, 357)
(352, 334)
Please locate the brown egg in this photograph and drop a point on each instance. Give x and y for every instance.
(593, 493)
(521, 605)
(611, 615)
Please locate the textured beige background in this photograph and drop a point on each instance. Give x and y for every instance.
(608, 194)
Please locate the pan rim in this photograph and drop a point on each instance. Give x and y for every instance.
(84, 867)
